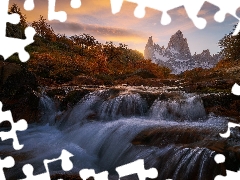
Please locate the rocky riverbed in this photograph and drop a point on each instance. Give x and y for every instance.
(174, 122)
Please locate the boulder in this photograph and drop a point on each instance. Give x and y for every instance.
(190, 137)
(222, 104)
(18, 93)
(7, 69)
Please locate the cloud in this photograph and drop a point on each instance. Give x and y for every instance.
(87, 7)
(71, 28)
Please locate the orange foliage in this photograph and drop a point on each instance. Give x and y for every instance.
(61, 58)
(225, 63)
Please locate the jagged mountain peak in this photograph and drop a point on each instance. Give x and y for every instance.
(150, 41)
(179, 34)
(177, 55)
(179, 44)
(206, 52)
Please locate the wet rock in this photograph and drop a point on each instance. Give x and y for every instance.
(194, 138)
(149, 97)
(164, 136)
(7, 69)
(72, 98)
(222, 104)
(19, 84)
(54, 93)
(18, 94)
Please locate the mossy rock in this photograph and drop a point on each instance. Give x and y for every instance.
(72, 98)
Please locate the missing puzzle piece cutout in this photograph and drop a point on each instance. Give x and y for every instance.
(231, 175)
(87, 173)
(21, 125)
(66, 166)
(8, 162)
(192, 8)
(236, 89)
(230, 125)
(9, 46)
(52, 14)
(137, 167)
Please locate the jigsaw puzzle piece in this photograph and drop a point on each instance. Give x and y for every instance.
(65, 158)
(87, 173)
(219, 158)
(193, 8)
(13, 45)
(164, 6)
(226, 7)
(28, 171)
(229, 6)
(237, 29)
(231, 175)
(52, 14)
(230, 125)
(29, 5)
(75, 4)
(21, 125)
(8, 162)
(116, 6)
(9, 46)
(138, 168)
(236, 89)
(66, 166)
(5, 17)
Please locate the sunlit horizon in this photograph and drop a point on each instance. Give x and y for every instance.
(95, 18)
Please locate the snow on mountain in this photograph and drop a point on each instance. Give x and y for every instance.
(177, 55)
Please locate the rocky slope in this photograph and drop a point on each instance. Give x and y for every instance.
(177, 55)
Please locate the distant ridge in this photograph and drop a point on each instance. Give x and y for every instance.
(177, 55)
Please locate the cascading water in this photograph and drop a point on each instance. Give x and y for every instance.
(123, 106)
(48, 110)
(100, 129)
(105, 105)
(188, 107)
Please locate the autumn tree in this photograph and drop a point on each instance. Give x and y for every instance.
(43, 29)
(83, 41)
(230, 46)
(16, 31)
(64, 42)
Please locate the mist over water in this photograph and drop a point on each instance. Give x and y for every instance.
(99, 131)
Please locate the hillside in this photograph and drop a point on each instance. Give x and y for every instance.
(57, 58)
(61, 61)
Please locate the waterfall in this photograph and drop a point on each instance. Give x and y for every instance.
(48, 110)
(100, 129)
(123, 106)
(186, 163)
(106, 106)
(188, 107)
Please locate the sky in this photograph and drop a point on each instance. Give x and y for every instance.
(95, 17)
